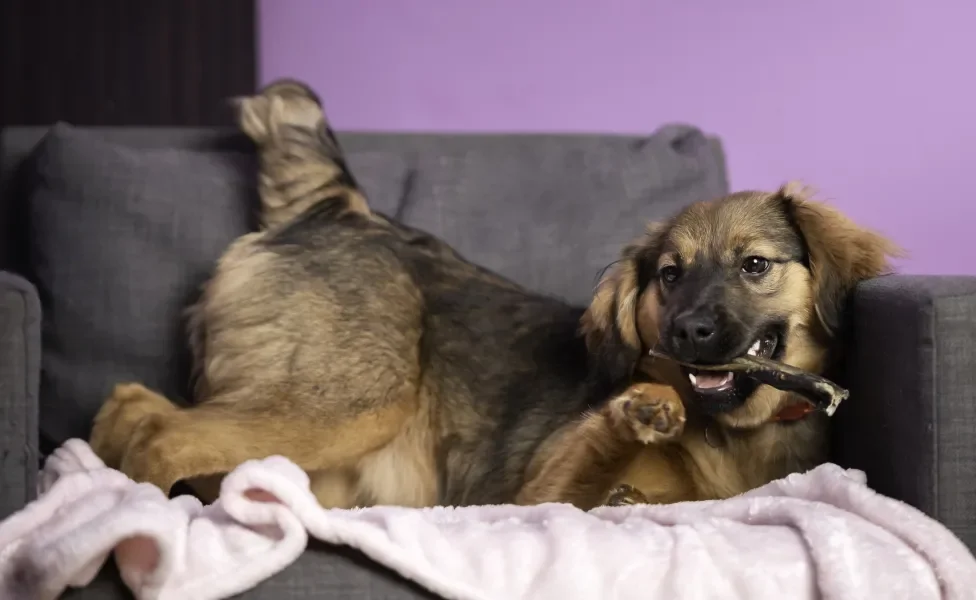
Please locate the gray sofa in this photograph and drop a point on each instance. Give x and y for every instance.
(105, 234)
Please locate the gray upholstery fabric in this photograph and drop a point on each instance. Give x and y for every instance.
(690, 152)
(910, 423)
(17, 144)
(379, 169)
(20, 357)
(553, 213)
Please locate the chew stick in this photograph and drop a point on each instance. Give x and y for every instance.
(819, 391)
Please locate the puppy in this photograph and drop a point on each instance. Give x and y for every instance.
(766, 274)
(394, 371)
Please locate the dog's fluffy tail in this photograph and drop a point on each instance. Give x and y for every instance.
(301, 161)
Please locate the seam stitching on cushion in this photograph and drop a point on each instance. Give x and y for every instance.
(955, 296)
(936, 458)
(27, 399)
(30, 398)
(936, 445)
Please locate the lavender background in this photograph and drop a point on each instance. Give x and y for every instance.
(871, 101)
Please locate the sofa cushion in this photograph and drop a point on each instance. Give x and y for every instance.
(20, 357)
(120, 241)
(910, 421)
(552, 211)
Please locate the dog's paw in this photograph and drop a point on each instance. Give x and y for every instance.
(625, 495)
(119, 417)
(648, 412)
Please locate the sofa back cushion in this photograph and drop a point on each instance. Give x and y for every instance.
(550, 211)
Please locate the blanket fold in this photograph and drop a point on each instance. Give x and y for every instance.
(821, 534)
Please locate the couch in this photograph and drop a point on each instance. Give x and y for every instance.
(107, 233)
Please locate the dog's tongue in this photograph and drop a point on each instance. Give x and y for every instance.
(706, 381)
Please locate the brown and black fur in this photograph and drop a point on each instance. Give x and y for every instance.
(393, 371)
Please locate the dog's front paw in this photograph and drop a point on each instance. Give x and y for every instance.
(648, 412)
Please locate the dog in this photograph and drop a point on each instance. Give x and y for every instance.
(394, 371)
(766, 274)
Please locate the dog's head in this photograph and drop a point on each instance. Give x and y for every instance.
(768, 274)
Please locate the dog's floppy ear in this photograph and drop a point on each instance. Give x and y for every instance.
(840, 253)
(610, 324)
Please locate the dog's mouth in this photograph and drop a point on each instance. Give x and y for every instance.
(722, 391)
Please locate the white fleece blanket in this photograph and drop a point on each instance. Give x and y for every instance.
(822, 534)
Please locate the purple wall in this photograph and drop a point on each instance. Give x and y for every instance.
(871, 101)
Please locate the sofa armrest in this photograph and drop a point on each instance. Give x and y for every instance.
(910, 423)
(20, 367)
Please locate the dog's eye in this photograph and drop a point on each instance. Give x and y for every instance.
(754, 265)
(669, 274)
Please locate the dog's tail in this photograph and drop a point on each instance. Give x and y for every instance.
(301, 163)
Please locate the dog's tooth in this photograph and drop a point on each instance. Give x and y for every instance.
(693, 379)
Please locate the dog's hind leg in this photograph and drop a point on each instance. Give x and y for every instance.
(150, 440)
(113, 426)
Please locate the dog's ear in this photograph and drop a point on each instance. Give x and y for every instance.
(840, 253)
(610, 323)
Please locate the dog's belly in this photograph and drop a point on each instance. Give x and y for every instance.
(334, 488)
(403, 473)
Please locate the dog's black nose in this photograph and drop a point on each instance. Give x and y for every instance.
(695, 336)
